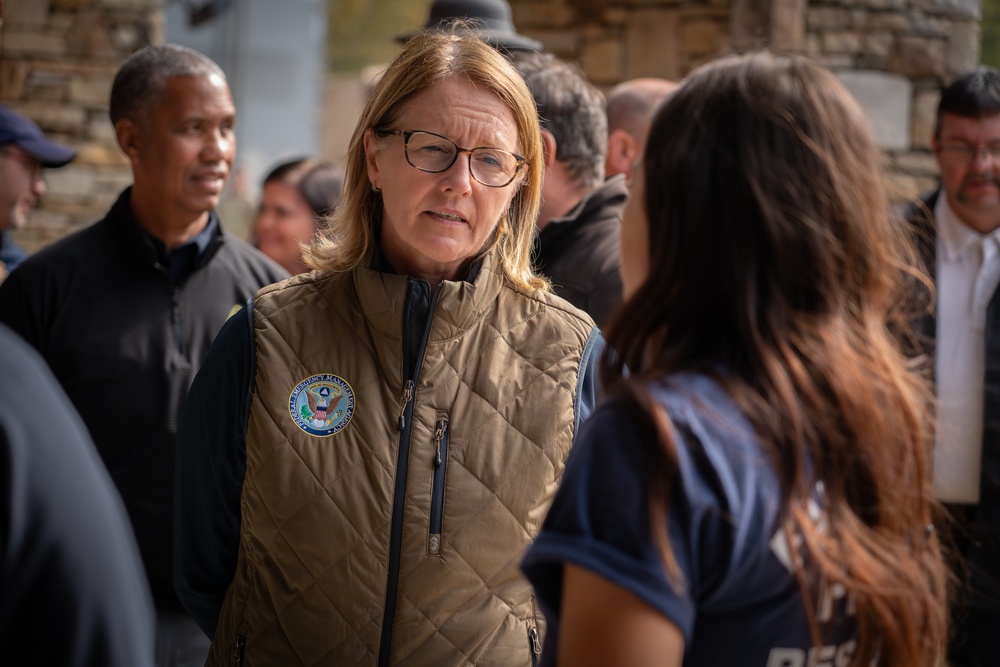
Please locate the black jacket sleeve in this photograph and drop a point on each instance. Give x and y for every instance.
(210, 466)
(72, 588)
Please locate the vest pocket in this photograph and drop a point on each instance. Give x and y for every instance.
(437, 488)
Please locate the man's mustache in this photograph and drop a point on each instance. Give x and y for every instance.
(977, 178)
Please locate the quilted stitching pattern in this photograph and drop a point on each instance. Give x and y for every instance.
(315, 532)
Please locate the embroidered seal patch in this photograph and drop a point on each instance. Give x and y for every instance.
(322, 404)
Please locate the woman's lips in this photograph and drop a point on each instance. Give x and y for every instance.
(448, 217)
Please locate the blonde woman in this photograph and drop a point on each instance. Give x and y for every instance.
(371, 446)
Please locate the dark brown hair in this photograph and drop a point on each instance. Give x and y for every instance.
(975, 94)
(318, 183)
(777, 269)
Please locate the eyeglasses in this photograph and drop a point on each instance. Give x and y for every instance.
(962, 152)
(433, 153)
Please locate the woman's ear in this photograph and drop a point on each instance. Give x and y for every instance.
(371, 153)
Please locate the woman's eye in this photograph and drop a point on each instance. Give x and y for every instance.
(491, 160)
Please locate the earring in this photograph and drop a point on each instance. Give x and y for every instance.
(375, 189)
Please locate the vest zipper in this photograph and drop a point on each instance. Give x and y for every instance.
(399, 486)
(241, 645)
(534, 641)
(536, 645)
(437, 489)
(404, 402)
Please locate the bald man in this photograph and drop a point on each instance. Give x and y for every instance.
(630, 108)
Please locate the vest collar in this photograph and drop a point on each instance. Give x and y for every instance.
(459, 304)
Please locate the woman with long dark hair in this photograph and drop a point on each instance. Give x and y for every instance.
(757, 490)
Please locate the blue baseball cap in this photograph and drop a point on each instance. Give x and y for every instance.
(20, 131)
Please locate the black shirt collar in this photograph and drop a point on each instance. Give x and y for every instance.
(182, 260)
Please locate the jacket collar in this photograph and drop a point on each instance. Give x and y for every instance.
(602, 206)
(459, 304)
(612, 193)
(133, 238)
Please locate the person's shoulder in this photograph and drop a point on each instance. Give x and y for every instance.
(685, 397)
(556, 306)
(291, 290)
(29, 384)
(593, 244)
(611, 195)
(19, 360)
(920, 209)
(722, 445)
(701, 398)
(237, 247)
(248, 260)
(11, 254)
(65, 256)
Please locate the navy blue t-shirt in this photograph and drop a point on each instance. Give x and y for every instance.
(740, 603)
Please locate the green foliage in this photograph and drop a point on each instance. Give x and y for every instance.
(990, 27)
(306, 413)
(363, 32)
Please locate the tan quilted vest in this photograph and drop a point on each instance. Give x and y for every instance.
(494, 395)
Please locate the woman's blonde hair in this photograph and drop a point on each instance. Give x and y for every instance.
(423, 61)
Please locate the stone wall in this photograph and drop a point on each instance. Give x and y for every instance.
(894, 55)
(57, 61)
(58, 57)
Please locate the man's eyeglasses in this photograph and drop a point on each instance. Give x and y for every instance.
(433, 153)
(963, 152)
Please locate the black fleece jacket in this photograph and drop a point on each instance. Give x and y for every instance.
(125, 339)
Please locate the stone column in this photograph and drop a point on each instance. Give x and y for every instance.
(57, 61)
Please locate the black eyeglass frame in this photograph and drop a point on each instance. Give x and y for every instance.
(406, 134)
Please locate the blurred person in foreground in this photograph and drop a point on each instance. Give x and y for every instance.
(758, 490)
(371, 446)
(72, 589)
(24, 152)
(958, 225)
(630, 109)
(579, 221)
(124, 311)
(297, 197)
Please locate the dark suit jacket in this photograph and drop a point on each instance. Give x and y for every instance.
(977, 527)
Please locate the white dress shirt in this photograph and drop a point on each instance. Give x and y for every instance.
(968, 272)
